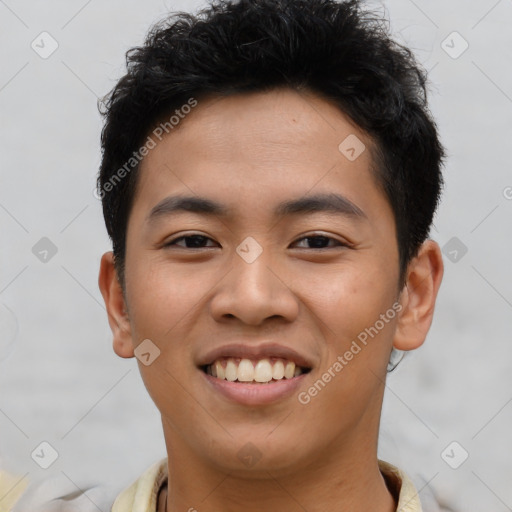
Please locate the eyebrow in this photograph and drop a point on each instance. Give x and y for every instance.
(329, 203)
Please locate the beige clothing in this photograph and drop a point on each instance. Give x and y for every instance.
(11, 488)
(142, 495)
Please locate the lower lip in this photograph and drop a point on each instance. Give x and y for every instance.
(255, 394)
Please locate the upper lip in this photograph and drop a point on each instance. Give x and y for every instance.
(262, 351)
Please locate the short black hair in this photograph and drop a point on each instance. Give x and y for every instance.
(337, 50)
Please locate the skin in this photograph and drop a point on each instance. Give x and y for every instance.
(250, 152)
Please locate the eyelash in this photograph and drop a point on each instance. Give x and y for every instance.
(310, 237)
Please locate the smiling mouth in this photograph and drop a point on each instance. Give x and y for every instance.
(254, 371)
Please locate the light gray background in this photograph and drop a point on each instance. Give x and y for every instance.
(60, 381)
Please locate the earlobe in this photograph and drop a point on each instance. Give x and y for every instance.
(418, 298)
(116, 307)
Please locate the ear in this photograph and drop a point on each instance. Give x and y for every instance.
(116, 306)
(418, 297)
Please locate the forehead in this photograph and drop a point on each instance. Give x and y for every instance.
(253, 150)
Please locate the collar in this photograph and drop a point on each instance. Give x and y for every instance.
(142, 495)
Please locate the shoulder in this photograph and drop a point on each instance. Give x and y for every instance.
(11, 488)
(406, 493)
(59, 494)
(142, 495)
(402, 487)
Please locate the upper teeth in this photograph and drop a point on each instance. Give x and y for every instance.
(245, 370)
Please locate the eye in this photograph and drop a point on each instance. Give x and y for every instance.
(320, 241)
(191, 241)
(199, 241)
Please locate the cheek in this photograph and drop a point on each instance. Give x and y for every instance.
(177, 400)
(160, 297)
(353, 300)
(358, 343)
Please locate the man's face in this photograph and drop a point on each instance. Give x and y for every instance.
(299, 287)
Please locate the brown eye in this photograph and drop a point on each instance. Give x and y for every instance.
(191, 241)
(320, 242)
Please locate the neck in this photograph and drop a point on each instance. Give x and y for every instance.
(346, 480)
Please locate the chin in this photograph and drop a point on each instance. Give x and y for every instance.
(254, 457)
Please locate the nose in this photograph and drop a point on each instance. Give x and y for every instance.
(254, 292)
